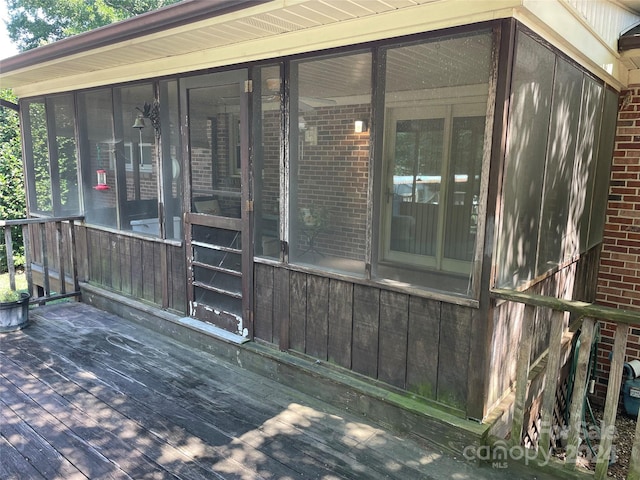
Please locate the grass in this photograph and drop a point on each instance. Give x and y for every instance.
(21, 282)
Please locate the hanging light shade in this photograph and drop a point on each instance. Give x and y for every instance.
(139, 123)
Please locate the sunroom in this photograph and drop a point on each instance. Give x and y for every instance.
(342, 181)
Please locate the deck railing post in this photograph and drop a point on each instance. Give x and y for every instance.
(522, 375)
(607, 429)
(8, 243)
(72, 253)
(60, 252)
(579, 393)
(26, 240)
(551, 380)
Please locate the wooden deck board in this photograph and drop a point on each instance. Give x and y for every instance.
(85, 394)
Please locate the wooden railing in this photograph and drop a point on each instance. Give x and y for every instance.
(49, 249)
(590, 314)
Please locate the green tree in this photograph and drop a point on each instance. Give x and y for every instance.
(12, 189)
(33, 23)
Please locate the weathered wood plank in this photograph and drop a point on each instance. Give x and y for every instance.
(158, 271)
(579, 391)
(95, 256)
(281, 320)
(125, 262)
(264, 285)
(81, 454)
(317, 317)
(422, 346)
(394, 324)
(366, 318)
(522, 375)
(298, 309)
(213, 409)
(608, 426)
(581, 309)
(340, 323)
(178, 274)
(136, 264)
(105, 259)
(454, 348)
(551, 379)
(13, 465)
(41, 454)
(132, 461)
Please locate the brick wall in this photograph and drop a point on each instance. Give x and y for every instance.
(619, 274)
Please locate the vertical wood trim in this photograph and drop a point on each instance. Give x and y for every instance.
(579, 391)
(95, 260)
(422, 346)
(45, 258)
(316, 335)
(60, 255)
(263, 321)
(366, 326)
(394, 324)
(73, 252)
(127, 263)
(611, 404)
(103, 252)
(298, 309)
(340, 323)
(551, 379)
(522, 374)
(281, 307)
(454, 351)
(136, 266)
(26, 239)
(164, 273)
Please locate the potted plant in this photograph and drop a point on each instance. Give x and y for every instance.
(14, 310)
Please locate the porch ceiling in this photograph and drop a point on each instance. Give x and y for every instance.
(230, 33)
(193, 35)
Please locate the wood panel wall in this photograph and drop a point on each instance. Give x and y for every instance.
(144, 269)
(413, 343)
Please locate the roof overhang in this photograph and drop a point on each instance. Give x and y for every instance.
(200, 34)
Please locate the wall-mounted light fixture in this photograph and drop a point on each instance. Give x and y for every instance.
(360, 126)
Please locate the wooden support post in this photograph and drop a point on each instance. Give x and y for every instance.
(72, 254)
(522, 375)
(60, 255)
(45, 258)
(551, 380)
(8, 243)
(607, 429)
(26, 240)
(579, 391)
(634, 463)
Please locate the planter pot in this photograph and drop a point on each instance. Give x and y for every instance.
(14, 315)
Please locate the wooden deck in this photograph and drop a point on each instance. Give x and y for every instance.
(85, 394)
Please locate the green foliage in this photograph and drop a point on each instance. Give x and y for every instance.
(12, 190)
(33, 23)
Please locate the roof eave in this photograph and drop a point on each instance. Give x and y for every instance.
(168, 17)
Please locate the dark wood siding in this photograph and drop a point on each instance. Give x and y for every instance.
(409, 342)
(135, 267)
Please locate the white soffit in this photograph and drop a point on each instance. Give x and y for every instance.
(269, 30)
(278, 28)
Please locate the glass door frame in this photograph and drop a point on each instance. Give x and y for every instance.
(245, 328)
